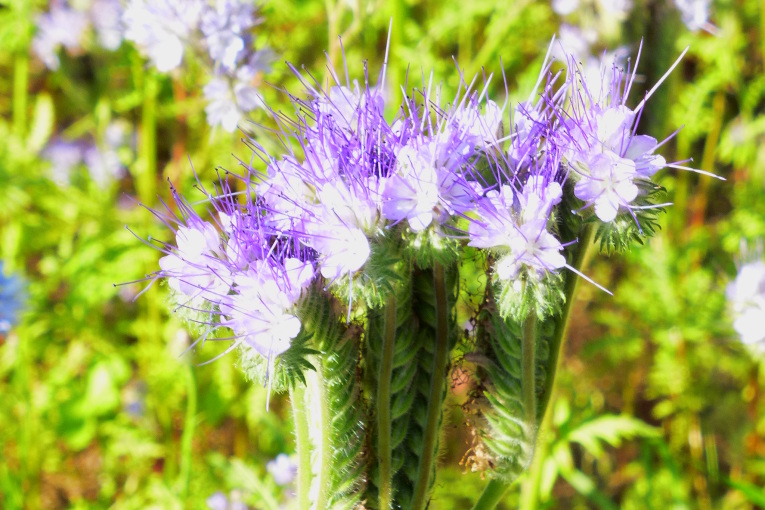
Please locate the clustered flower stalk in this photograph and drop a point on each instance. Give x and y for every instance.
(338, 268)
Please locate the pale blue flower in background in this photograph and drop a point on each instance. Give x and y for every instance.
(219, 501)
(63, 157)
(62, 26)
(12, 299)
(283, 469)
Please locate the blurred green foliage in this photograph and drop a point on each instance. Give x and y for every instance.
(658, 405)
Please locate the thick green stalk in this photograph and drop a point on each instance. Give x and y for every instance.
(188, 431)
(383, 405)
(303, 443)
(561, 326)
(437, 382)
(321, 400)
(493, 493)
(531, 485)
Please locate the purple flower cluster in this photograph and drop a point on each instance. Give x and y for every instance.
(356, 179)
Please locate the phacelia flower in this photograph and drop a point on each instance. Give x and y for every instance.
(599, 143)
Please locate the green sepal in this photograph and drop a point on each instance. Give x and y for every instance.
(517, 298)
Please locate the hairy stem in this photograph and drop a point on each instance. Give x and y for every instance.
(437, 381)
(303, 444)
(321, 399)
(528, 381)
(383, 404)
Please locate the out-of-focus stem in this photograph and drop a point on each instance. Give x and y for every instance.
(708, 160)
(437, 381)
(303, 443)
(146, 168)
(493, 493)
(383, 404)
(20, 93)
(189, 427)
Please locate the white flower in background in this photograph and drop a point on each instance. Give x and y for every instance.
(694, 13)
(106, 16)
(564, 7)
(61, 26)
(162, 28)
(225, 29)
(746, 296)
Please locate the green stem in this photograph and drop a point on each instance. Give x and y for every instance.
(493, 493)
(533, 481)
(561, 327)
(325, 447)
(20, 93)
(188, 431)
(383, 404)
(303, 443)
(528, 380)
(437, 381)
